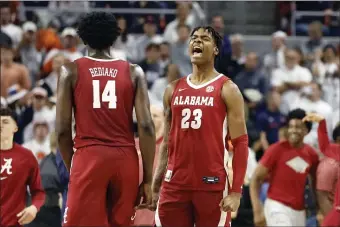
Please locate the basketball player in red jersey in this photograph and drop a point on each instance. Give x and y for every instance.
(193, 158)
(19, 169)
(102, 92)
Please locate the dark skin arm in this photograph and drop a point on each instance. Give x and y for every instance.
(234, 102)
(163, 150)
(324, 203)
(256, 182)
(64, 112)
(146, 128)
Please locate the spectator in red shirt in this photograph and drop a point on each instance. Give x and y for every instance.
(328, 174)
(286, 164)
(19, 169)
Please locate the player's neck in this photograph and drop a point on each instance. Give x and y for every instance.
(101, 54)
(200, 73)
(6, 143)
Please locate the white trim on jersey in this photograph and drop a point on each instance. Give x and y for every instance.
(103, 60)
(224, 216)
(202, 85)
(157, 219)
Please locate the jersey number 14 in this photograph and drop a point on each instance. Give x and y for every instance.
(108, 95)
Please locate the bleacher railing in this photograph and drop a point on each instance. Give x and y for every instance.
(297, 14)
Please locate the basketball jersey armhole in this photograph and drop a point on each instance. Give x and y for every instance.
(78, 75)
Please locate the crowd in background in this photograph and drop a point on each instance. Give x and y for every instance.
(288, 77)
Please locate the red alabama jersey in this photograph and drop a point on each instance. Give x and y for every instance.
(104, 100)
(197, 155)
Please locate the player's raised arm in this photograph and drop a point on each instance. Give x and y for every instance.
(239, 138)
(146, 128)
(64, 112)
(163, 150)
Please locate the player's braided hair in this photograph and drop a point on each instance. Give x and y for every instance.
(99, 30)
(299, 114)
(215, 35)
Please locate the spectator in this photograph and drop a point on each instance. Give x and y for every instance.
(125, 41)
(40, 144)
(69, 38)
(28, 52)
(331, 91)
(68, 18)
(50, 213)
(250, 78)
(276, 58)
(139, 19)
(288, 80)
(165, 55)
(311, 101)
(180, 51)
(270, 120)
(35, 111)
(191, 15)
(12, 73)
(171, 73)
(50, 82)
(10, 29)
(325, 63)
(217, 22)
(301, 57)
(236, 63)
(150, 64)
(48, 39)
(148, 37)
(314, 42)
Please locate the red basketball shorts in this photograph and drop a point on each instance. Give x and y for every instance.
(191, 208)
(103, 187)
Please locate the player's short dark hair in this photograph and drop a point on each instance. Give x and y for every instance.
(299, 114)
(151, 46)
(7, 112)
(215, 35)
(336, 132)
(98, 30)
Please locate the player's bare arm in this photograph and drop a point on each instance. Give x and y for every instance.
(146, 128)
(64, 112)
(163, 150)
(238, 132)
(257, 180)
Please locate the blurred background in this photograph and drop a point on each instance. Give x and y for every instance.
(281, 54)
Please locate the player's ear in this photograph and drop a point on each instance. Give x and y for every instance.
(216, 51)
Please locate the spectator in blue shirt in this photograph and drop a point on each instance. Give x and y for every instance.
(270, 120)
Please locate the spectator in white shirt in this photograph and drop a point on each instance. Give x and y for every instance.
(69, 40)
(325, 63)
(125, 42)
(40, 111)
(289, 80)
(188, 14)
(40, 143)
(10, 29)
(310, 101)
(158, 88)
(149, 36)
(276, 58)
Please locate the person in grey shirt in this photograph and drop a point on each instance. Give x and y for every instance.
(149, 36)
(28, 52)
(180, 52)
